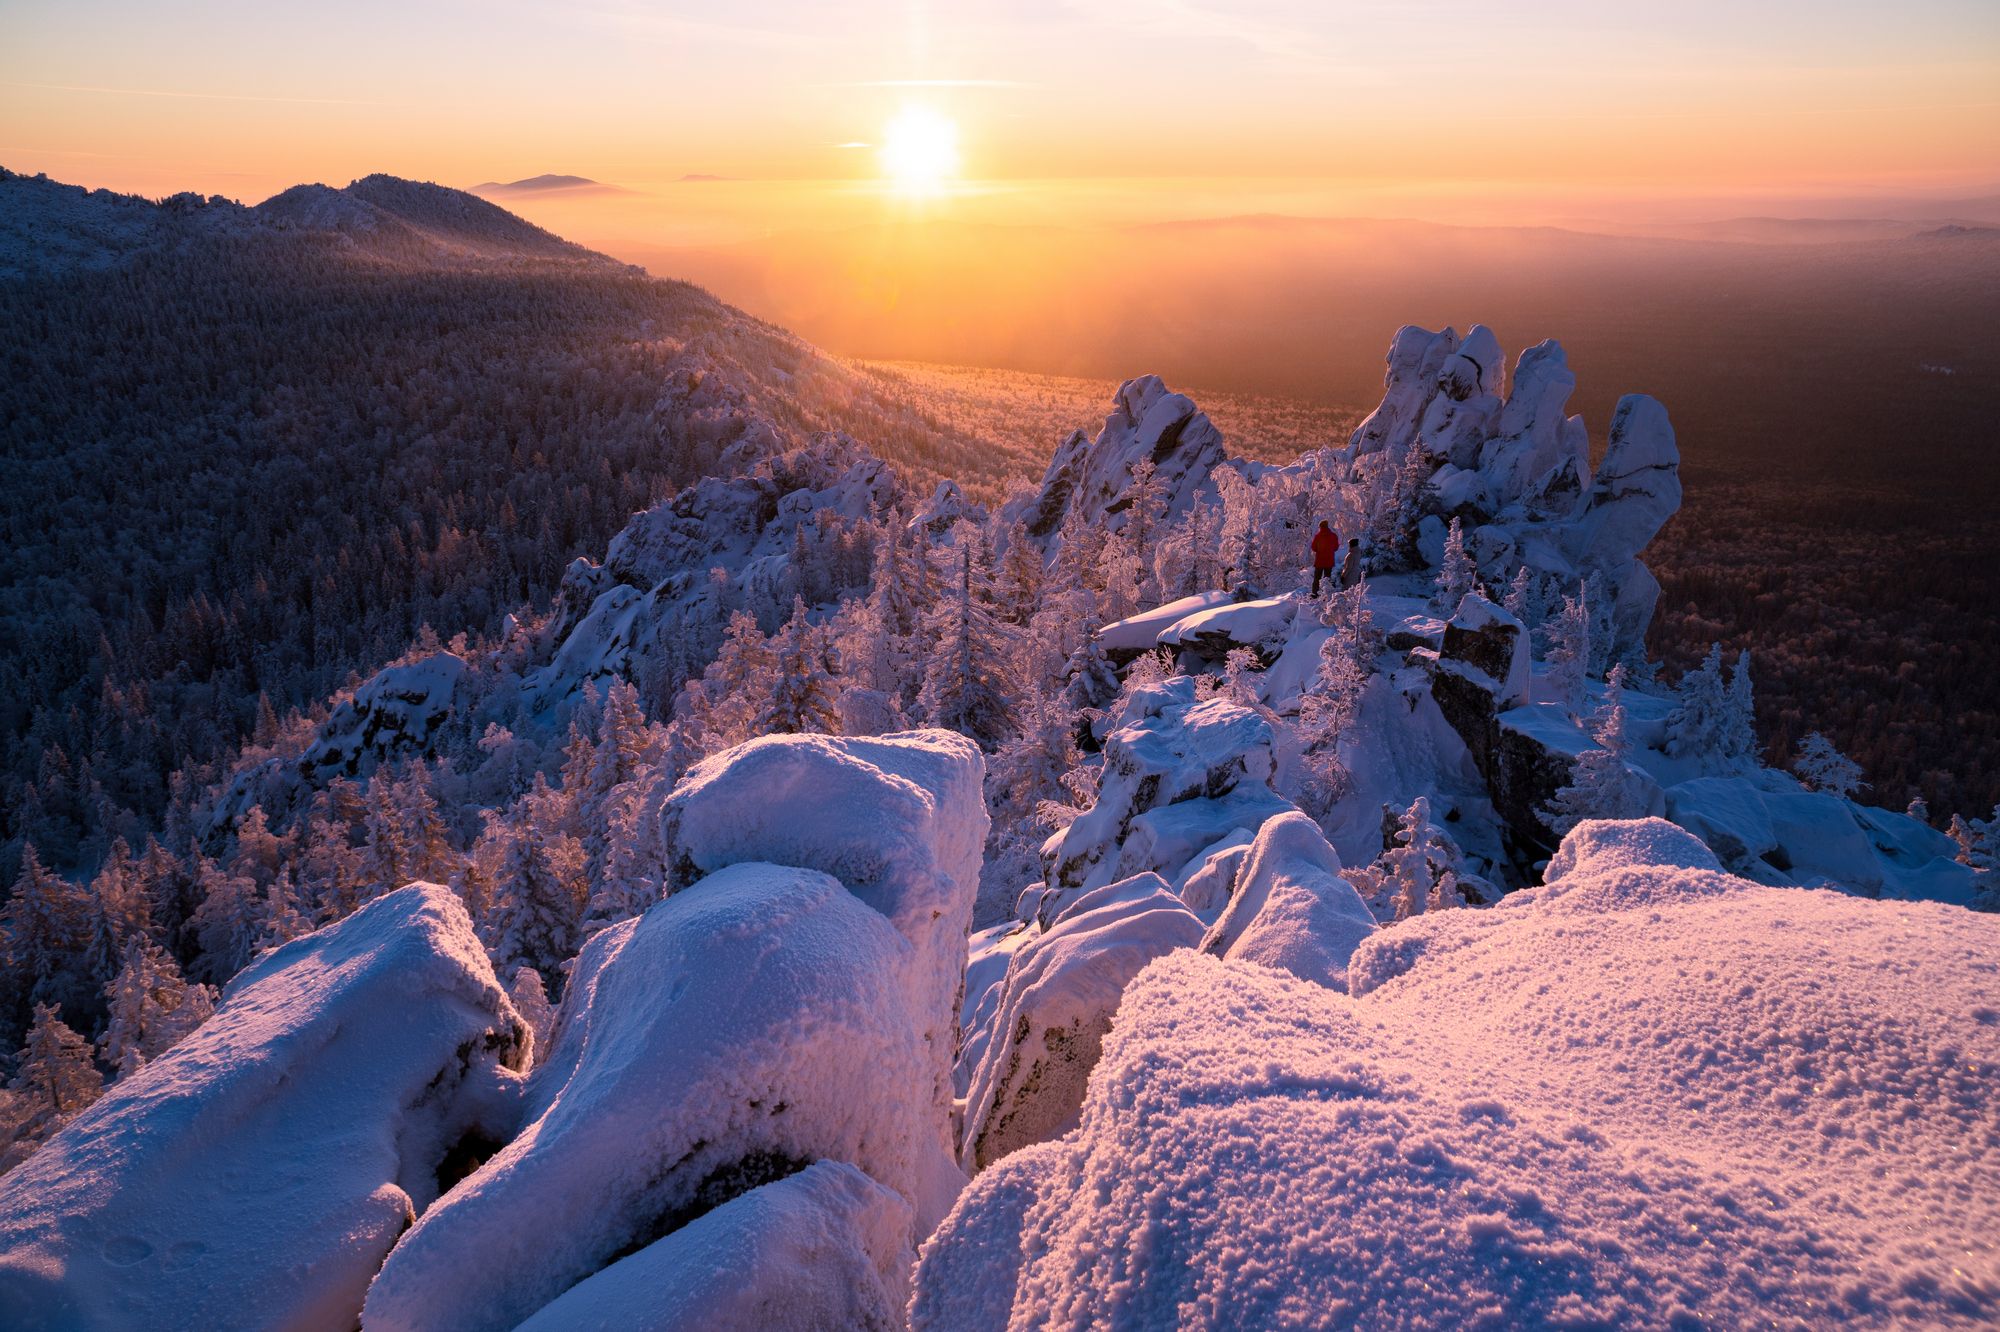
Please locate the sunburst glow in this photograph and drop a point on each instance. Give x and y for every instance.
(919, 150)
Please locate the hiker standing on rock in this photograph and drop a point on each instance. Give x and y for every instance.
(1325, 547)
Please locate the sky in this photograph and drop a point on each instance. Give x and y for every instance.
(1115, 108)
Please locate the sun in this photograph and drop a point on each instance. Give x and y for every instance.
(919, 151)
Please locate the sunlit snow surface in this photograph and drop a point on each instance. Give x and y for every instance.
(1650, 1094)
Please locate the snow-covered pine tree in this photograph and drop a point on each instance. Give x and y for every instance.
(44, 921)
(1411, 870)
(1090, 680)
(1602, 784)
(732, 686)
(1697, 727)
(1823, 768)
(386, 858)
(229, 923)
(426, 838)
(1919, 809)
(285, 915)
(537, 897)
(56, 1079)
(964, 689)
(149, 1008)
(1018, 584)
(1456, 574)
(803, 693)
(1524, 598)
(1239, 535)
(1569, 651)
(1739, 733)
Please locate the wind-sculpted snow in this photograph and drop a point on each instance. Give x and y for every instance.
(257, 1174)
(1290, 909)
(1055, 1006)
(753, 1023)
(1650, 1095)
(825, 1250)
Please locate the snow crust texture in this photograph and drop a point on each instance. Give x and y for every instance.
(258, 1173)
(1650, 1094)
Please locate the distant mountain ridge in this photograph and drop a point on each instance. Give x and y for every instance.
(49, 227)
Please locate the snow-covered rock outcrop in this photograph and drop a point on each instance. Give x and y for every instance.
(258, 1173)
(1178, 775)
(1664, 1096)
(395, 712)
(1055, 1005)
(1091, 477)
(748, 1026)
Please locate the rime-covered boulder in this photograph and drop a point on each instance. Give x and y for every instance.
(826, 1248)
(1061, 989)
(753, 1023)
(1289, 909)
(1170, 772)
(393, 714)
(1565, 1110)
(1465, 406)
(1092, 477)
(900, 820)
(258, 1173)
(1485, 642)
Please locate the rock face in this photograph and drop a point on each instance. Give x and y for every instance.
(257, 1174)
(1092, 477)
(1173, 771)
(1638, 488)
(1061, 989)
(1483, 638)
(395, 713)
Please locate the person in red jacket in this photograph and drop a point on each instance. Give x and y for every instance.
(1326, 545)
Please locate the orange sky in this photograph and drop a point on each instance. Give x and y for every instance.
(1313, 107)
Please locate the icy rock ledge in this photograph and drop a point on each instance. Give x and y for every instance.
(257, 1174)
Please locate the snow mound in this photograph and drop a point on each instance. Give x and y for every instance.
(1055, 1005)
(1290, 909)
(1141, 632)
(258, 1173)
(826, 1248)
(744, 1028)
(1761, 1107)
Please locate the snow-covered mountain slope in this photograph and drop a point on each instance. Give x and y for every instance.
(1647, 1095)
(47, 227)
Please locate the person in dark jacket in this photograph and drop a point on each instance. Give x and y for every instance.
(1325, 547)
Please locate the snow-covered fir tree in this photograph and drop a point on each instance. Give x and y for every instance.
(55, 1079)
(537, 913)
(1569, 651)
(1823, 768)
(1602, 783)
(1456, 576)
(149, 1008)
(965, 689)
(803, 693)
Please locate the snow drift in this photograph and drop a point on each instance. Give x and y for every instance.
(1649, 1094)
(257, 1174)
